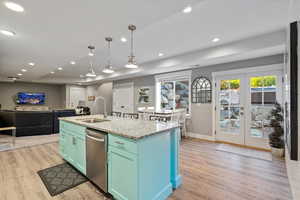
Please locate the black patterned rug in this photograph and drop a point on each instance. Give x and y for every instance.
(60, 178)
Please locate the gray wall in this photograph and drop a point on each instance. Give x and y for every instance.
(140, 82)
(200, 123)
(104, 90)
(8, 91)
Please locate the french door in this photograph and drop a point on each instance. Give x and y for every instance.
(243, 106)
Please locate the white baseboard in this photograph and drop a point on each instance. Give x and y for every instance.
(200, 136)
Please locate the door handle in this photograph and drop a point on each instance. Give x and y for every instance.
(73, 141)
(96, 139)
(121, 143)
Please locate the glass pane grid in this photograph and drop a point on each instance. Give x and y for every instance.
(229, 101)
(263, 98)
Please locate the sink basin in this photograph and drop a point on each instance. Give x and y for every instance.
(93, 120)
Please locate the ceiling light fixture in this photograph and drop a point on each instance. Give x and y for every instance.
(24, 70)
(20, 74)
(108, 69)
(216, 40)
(8, 33)
(92, 49)
(123, 39)
(72, 62)
(13, 6)
(131, 61)
(31, 64)
(160, 54)
(91, 73)
(52, 72)
(60, 68)
(187, 9)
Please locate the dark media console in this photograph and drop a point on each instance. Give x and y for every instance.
(30, 123)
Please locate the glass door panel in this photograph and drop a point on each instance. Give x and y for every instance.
(182, 95)
(167, 95)
(263, 98)
(229, 106)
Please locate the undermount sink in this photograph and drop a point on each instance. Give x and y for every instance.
(93, 120)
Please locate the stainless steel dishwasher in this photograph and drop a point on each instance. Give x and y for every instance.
(96, 158)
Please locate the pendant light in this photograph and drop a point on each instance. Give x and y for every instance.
(91, 72)
(131, 61)
(108, 68)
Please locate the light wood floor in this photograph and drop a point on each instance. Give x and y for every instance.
(207, 174)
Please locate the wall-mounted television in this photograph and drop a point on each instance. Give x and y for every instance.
(30, 98)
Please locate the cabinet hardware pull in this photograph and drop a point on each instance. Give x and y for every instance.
(119, 142)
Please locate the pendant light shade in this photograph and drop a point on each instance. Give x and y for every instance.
(91, 72)
(108, 68)
(131, 61)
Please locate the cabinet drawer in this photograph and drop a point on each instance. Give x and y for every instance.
(122, 143)
(72, 128)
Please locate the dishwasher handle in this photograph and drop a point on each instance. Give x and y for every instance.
(96, 139)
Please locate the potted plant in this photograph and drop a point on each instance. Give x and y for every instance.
(276, 137)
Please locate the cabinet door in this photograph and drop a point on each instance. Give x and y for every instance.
(70, 148)
(62, 144)
(80, 156)
(122, 173)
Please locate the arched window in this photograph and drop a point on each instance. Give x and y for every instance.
(201, 90)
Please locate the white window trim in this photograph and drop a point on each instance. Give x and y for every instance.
(174, 76)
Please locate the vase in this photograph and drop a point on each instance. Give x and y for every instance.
(277, 152)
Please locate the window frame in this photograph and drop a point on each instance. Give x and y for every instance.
(172, 77)
(196, 81)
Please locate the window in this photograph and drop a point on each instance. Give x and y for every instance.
(201, 90)
(173, 91)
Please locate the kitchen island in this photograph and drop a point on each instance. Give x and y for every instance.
(142, 156)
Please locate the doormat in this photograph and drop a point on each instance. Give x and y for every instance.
(60, 178)
(253, 153)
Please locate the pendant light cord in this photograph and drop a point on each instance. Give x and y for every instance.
(132, 43)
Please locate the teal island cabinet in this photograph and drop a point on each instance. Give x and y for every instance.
(142, 156)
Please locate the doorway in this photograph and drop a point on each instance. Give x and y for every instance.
(243, 104)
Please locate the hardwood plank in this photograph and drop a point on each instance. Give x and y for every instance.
(207, 175)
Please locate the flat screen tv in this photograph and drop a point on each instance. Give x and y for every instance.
(30, 98)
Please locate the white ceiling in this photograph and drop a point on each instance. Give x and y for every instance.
(52, 33)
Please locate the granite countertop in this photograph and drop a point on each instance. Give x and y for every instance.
(133, 129)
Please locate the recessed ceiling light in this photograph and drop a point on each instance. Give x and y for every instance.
(20, 74)
(187, 9)
(8, 33)
(216, 40)
(60, 68)
(160, 54)
(14, 7)
(123, 39)
(24, 70)
(72, 62)
(31, 64)
(52, 72)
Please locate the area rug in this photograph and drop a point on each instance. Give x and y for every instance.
(60, 178)
(262, 155)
